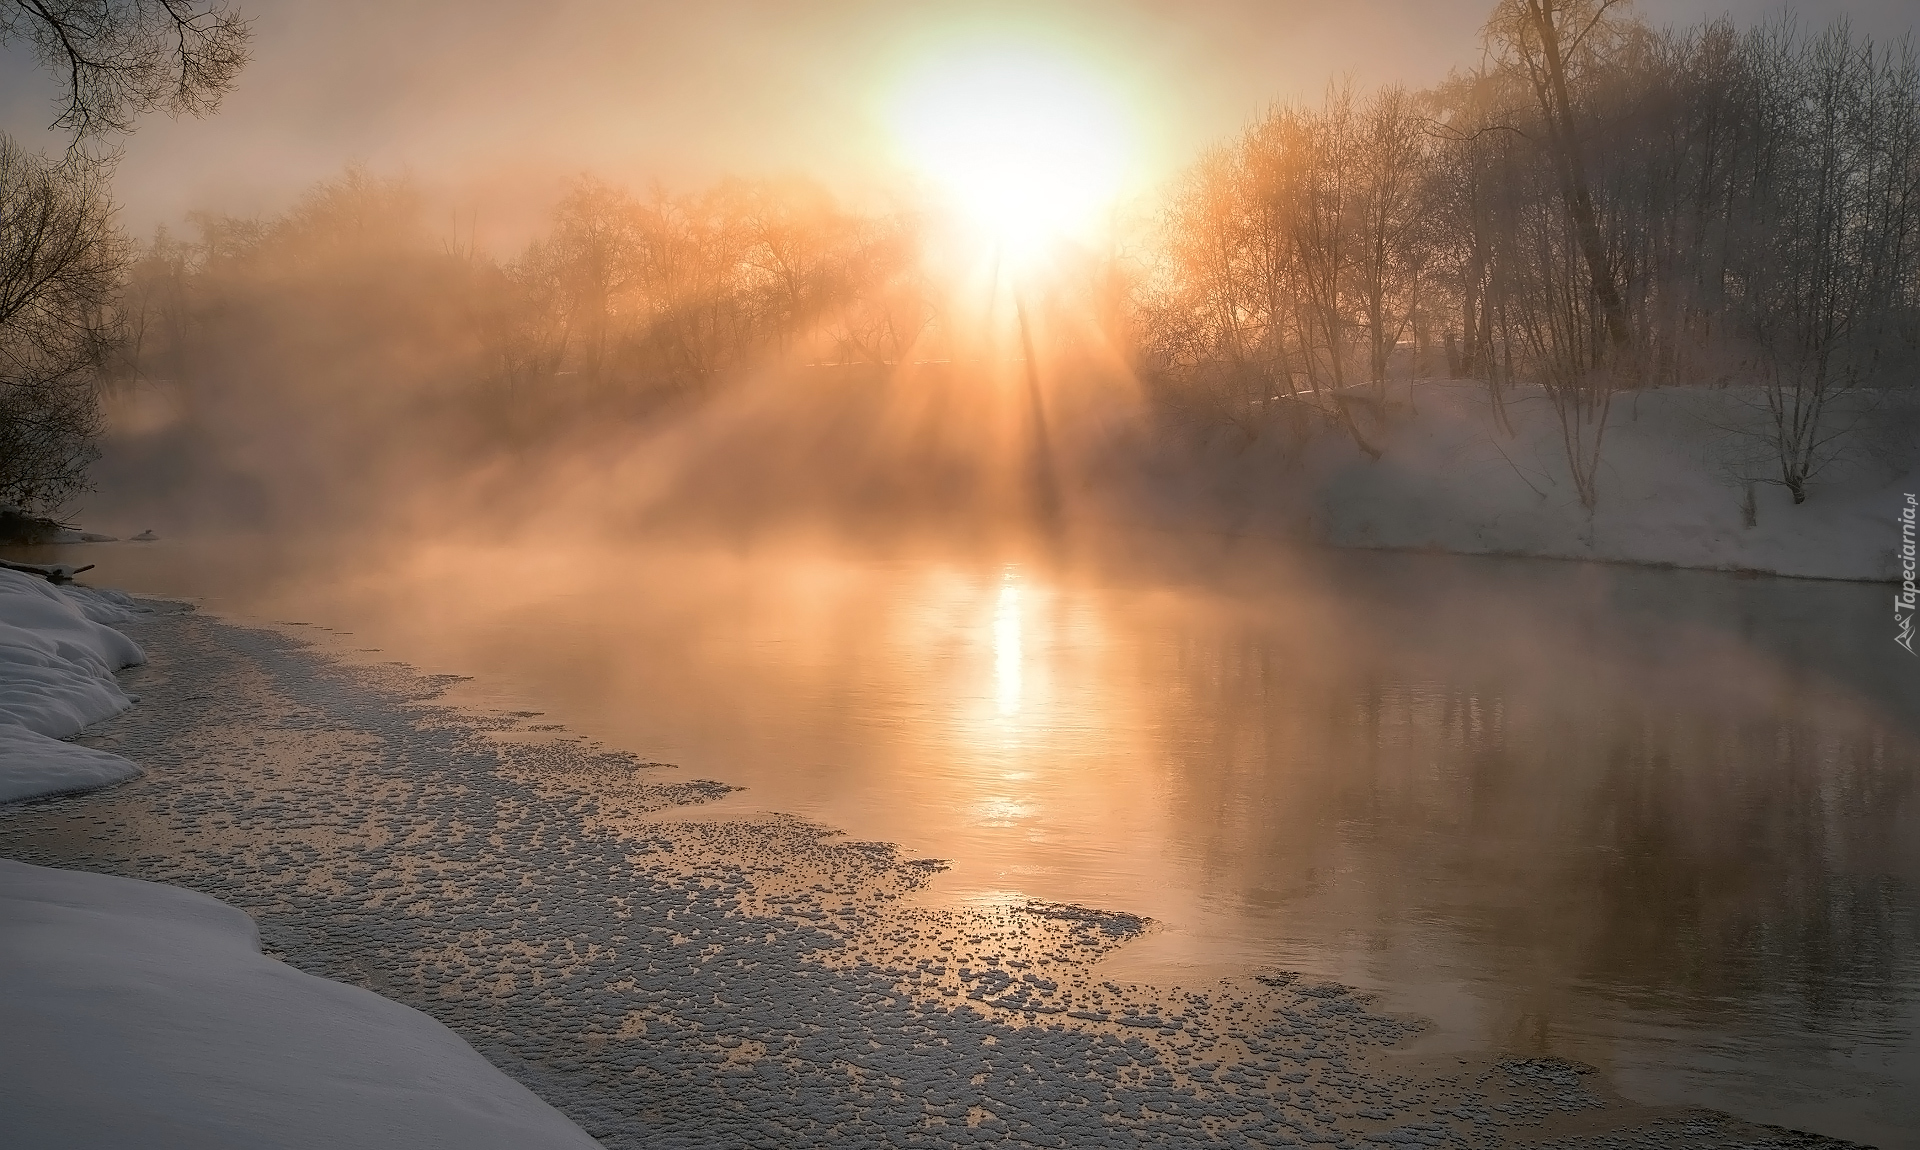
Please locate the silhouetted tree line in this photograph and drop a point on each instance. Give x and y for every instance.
(1599, 206)
(355, 313)
(649, 298)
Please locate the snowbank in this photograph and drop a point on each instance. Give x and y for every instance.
(1669, 492)
(1672, 490)
(57, 659)
(142, 1015)
(33, 766)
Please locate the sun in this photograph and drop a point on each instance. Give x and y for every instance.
(1027, 147)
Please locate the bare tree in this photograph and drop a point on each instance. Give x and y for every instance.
(1468, 193)
(1391, 254)
(1288, 253)
(884, 309)
(120, 59)
(594, 251)
(60, 265)
(1825, 261)
(519, 312)
(61, 254)
(1600, 206)
(1552, 40)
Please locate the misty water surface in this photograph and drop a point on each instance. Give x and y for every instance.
(1663, 822)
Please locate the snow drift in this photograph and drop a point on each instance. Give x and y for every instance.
(143, 1015)
(57, 659)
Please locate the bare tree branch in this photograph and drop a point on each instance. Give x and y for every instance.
(121, 59)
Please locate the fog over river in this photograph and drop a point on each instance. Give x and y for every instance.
(1663, 822)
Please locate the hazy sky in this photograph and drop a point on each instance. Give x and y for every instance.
(494, 104)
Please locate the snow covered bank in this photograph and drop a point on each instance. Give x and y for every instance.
(33, 766)
(1672, 485)
(142, 1015)
(57, 659)
(16, 526)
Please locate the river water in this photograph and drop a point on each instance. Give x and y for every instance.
(1663, 822)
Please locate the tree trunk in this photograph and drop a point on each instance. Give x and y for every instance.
(1558, 105)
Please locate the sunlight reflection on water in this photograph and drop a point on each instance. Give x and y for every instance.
(1007, 656)
(1663, 822)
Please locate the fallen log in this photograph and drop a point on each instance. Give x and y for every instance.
(51, 572)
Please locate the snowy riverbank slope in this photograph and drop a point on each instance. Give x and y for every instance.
(1671, 485)
(57, 659)
(143, 1015)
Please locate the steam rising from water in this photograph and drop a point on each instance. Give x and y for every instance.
(860, 559)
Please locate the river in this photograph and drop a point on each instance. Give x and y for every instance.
(1663, 822)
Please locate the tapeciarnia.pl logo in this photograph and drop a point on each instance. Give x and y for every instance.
(1903, 602)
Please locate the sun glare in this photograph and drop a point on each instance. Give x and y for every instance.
(1028, 148)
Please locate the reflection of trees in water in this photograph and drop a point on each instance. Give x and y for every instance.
(1577, 814)
(1747, 856)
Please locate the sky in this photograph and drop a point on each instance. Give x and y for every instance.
(493, 106)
